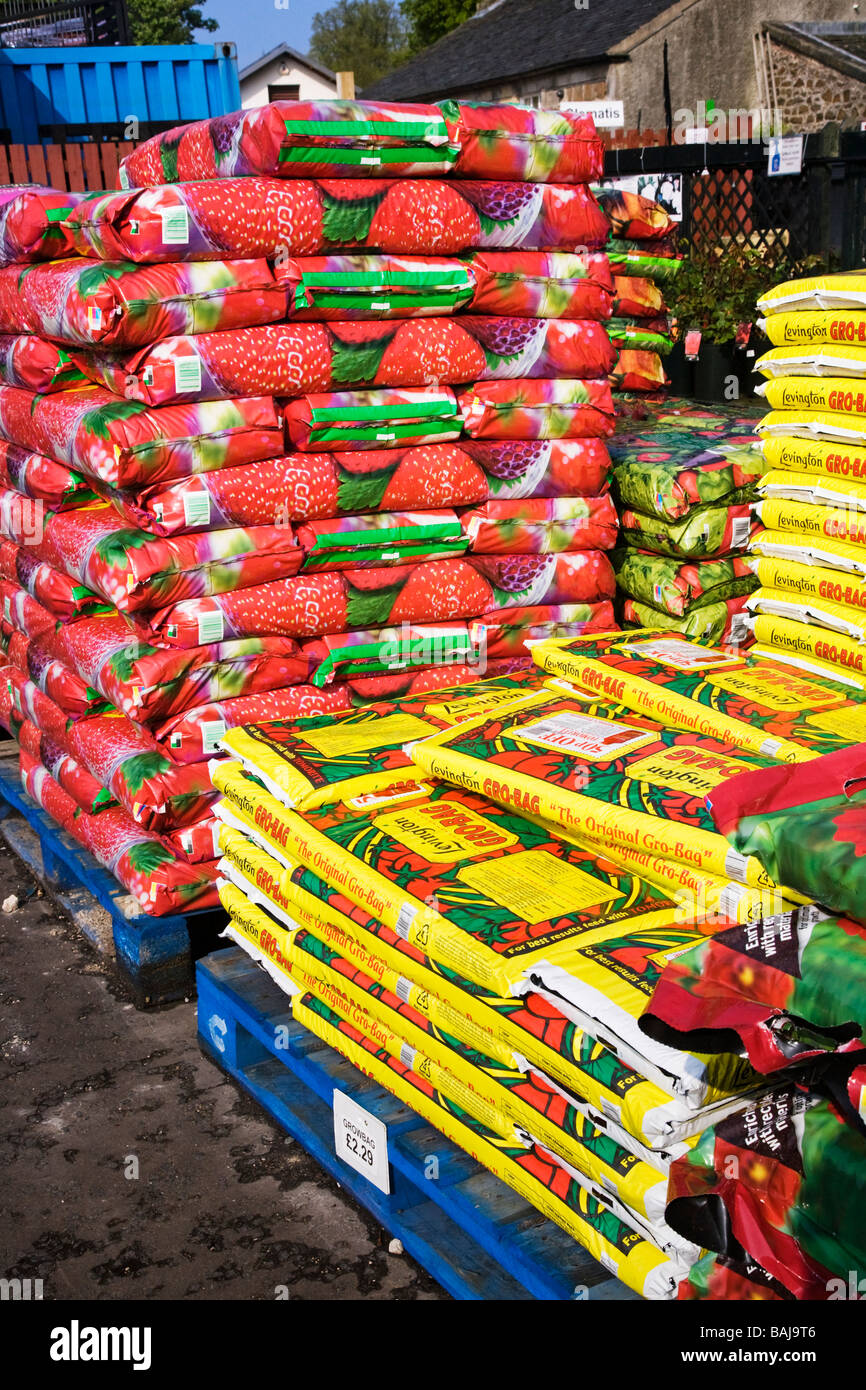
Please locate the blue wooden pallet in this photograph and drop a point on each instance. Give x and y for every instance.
(473, 1234)
(155, 955)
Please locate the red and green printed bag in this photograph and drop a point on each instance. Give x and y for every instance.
(131, 569)
(634, 217)
(32, 223)
(309, 487)
(262, 217)
(194, 734)
(362, 420)
(43, 479)
(530, 409)
(88, 793)
(539, 527)
(521, 142)
(779, 1177)
(122, 442)
(290, 359)
(59, 682)
(725, 622)
(322, 288)
(541, 284)
(680, 587)
(160, 879)
(432, 592)
(158, 793)
(807, 822)
(56, 592)
(121, 304)
(149, 682)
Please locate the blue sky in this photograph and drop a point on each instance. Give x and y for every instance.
(257, 25)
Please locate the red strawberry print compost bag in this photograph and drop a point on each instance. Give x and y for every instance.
(366, 689)
(253, 217)
(21, 613)
(321, 288)
(32, 223)
(723, 1279)
(536, 527)
(41, 478)
(149, 682)
(55, 591)
(541, 284)
(156, 792)
(159, 879)
(87, 793)
(362, 420)
(122, 442)
(521, 142)
(288, 359)
(36, 365)
(195, 843)
(127, 305)
(132, 569)
(308, 487)
(194, 734)
(529, 409)
(432, 592)
(290, 138)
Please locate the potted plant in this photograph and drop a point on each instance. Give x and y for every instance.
(716, 291)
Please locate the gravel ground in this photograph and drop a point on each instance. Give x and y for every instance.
(223, 1206)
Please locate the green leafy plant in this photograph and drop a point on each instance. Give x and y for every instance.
(717, 287)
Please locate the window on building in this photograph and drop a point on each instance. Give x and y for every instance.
(284, 91)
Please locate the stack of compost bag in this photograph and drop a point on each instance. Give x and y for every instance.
(810, 554)
(205, 517)
(481, 961)
(683, 486)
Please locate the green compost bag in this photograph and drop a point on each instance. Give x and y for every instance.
(680, 587)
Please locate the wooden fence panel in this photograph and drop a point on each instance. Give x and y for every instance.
(56, 166)
(36, 164)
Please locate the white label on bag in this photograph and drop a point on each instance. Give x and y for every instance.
(196, 508)
(582, 735)
(741, 527)
(187, 374)
(175, 226)
(212, 730)
(361, 1141)
(405, 918)
(211, 628)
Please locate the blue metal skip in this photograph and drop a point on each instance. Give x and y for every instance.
(47, 87)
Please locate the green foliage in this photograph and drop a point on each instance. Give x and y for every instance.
(367, 37)
(166, 21)
(717, 287)
(430, 20)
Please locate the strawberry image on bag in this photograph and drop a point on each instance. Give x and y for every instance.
(243, 218)
(308, 487)
(541, 284)
(87, 793)
(290, 359)
(32, 223)
(194, 734)
(536, 526)
(529, 409)
(362, 420)
(59, 594)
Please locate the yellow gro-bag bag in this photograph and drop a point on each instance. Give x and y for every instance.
(799, 608)
(356, 756)
(844, 289)
(845, 656)
(815, 457)
(813, 584)
(844, 524)
(790, 329)
(815, 424)
(760, 706)
(819, 490)
(817, 359)
(837, 394)
(529, 1170)
(613, 780)
(826, 554)
(468, 882)
(527, 1033)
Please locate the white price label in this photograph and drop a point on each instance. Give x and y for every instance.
(361, 1141)
(210, 628)
(212, 730)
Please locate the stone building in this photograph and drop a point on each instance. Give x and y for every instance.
(805, 59)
